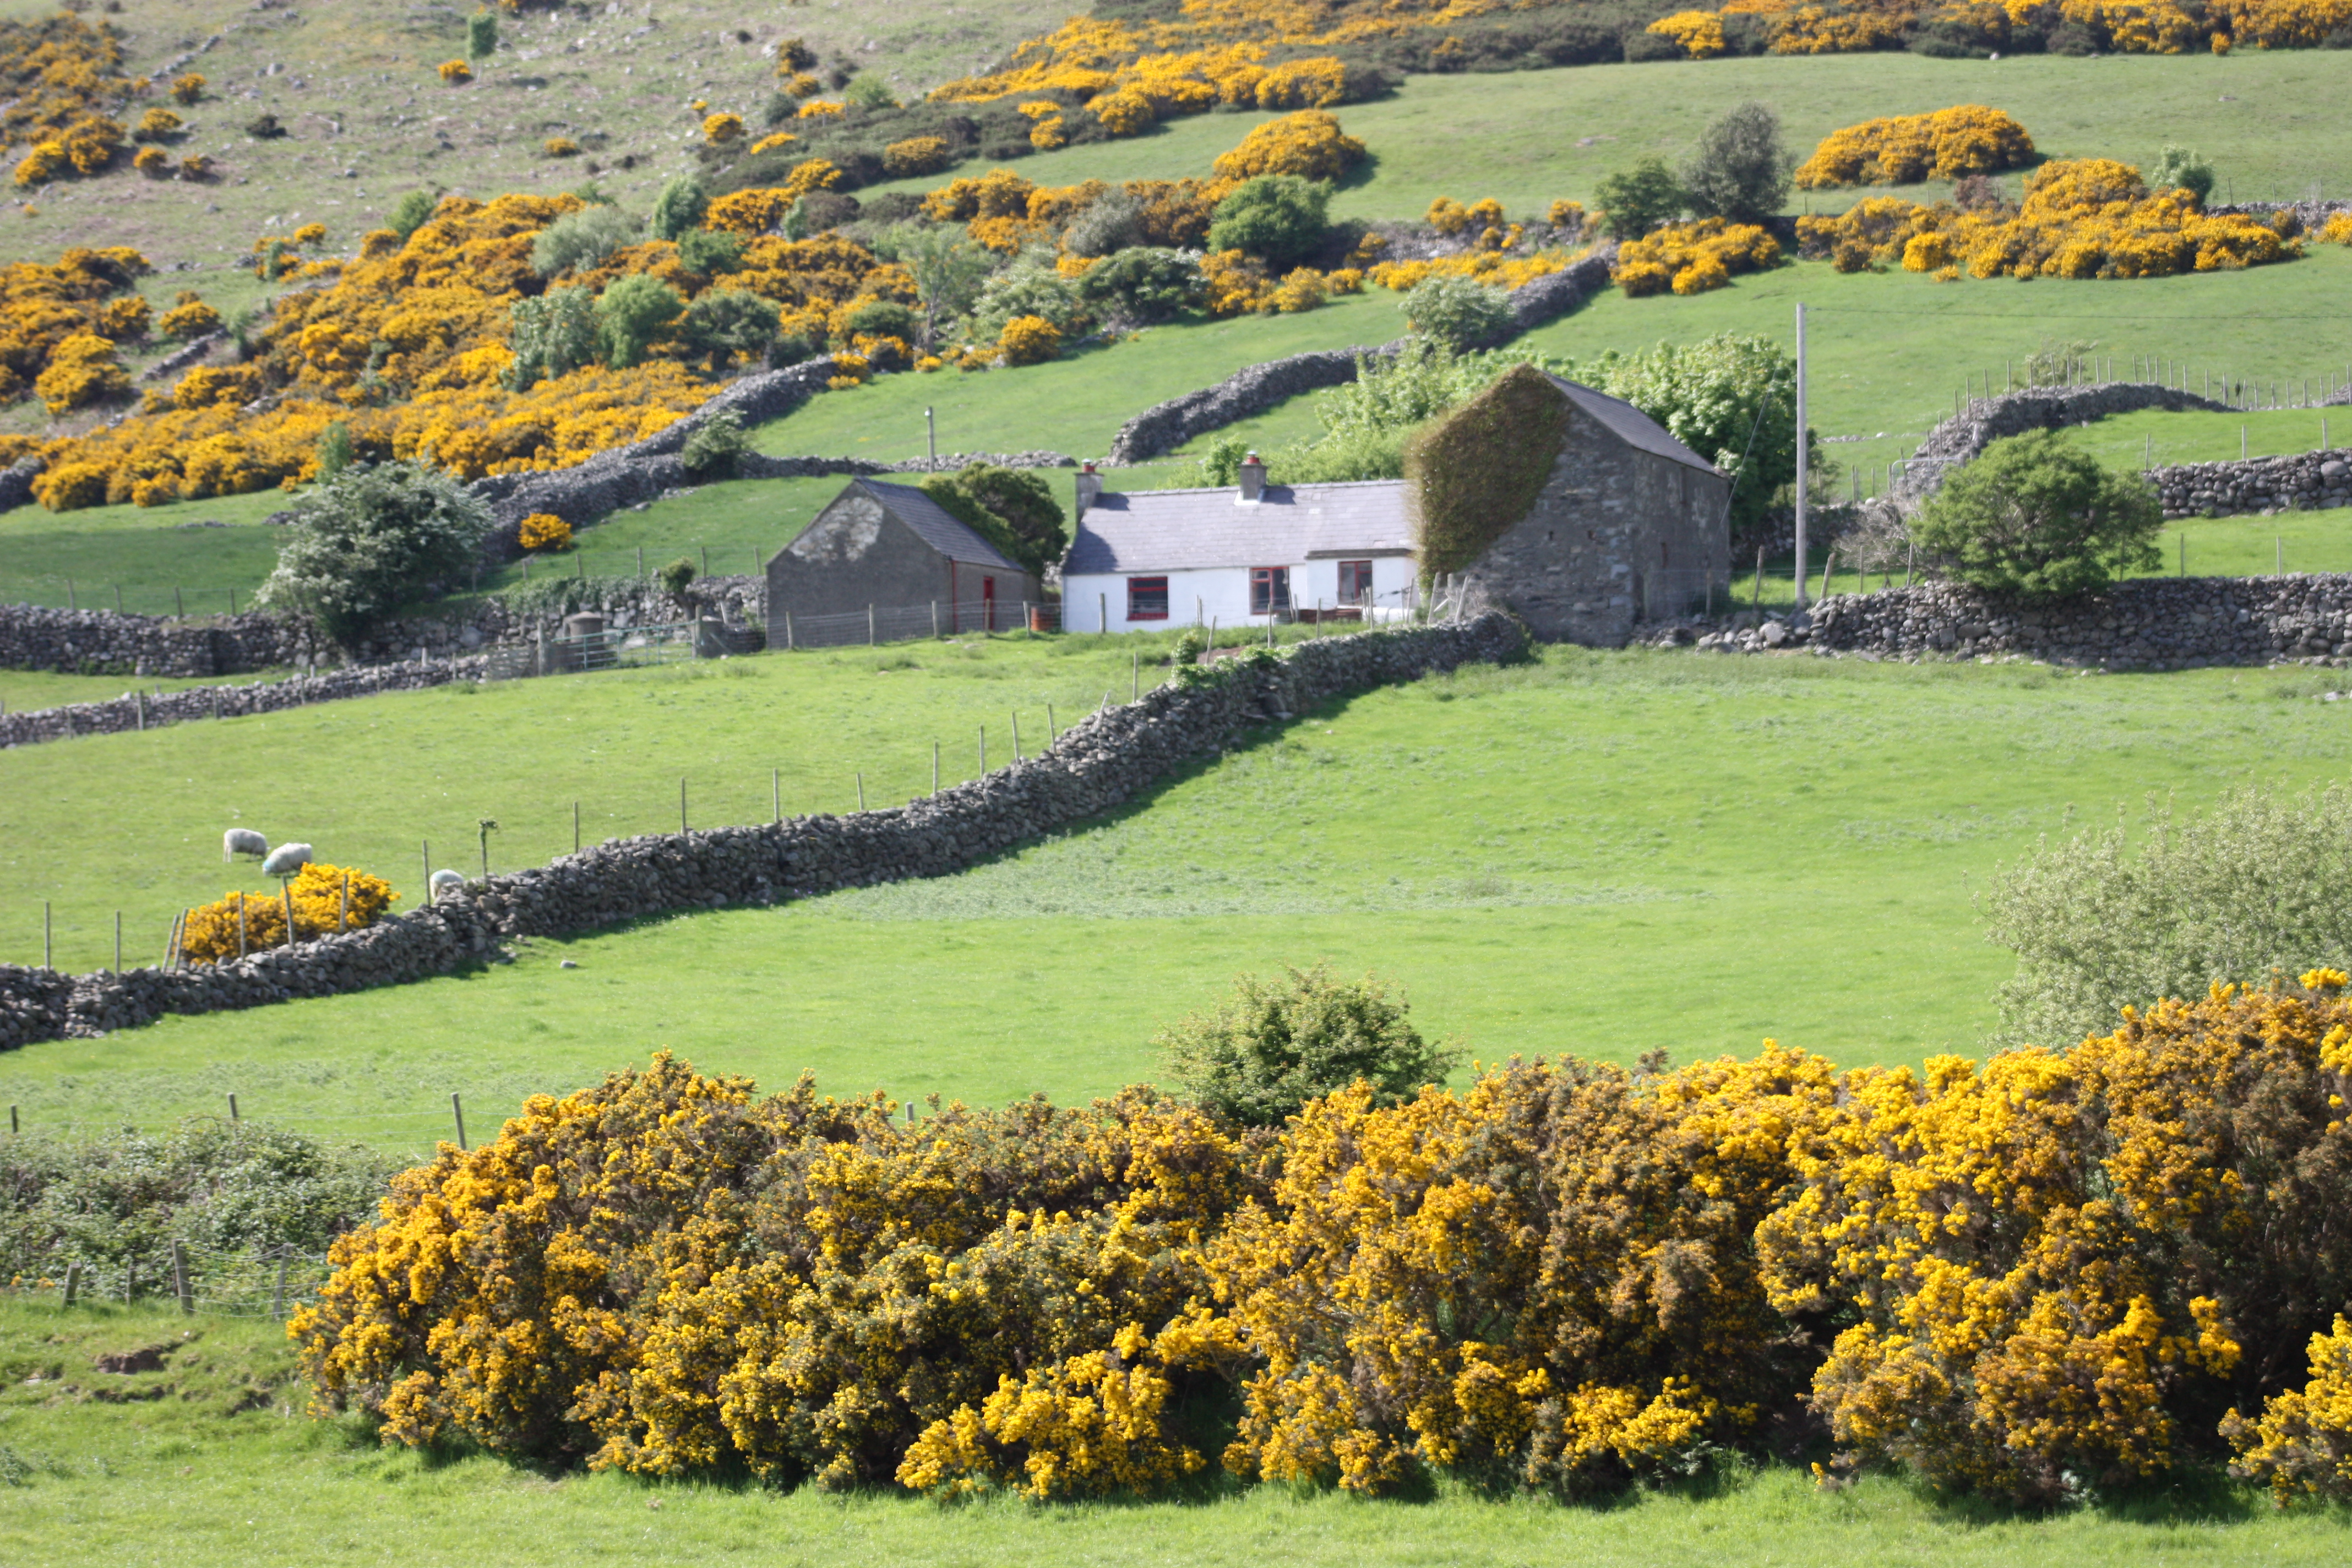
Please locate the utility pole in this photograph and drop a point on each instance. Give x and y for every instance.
(931, 434)
(1801, 457)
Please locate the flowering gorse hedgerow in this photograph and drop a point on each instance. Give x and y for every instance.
(2089, 218)
(2054, 1270)
(2117, 26)
(1693, 258)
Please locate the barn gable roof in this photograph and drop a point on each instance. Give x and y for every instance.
(1190, 529)
(938, 527)
(1629, 424)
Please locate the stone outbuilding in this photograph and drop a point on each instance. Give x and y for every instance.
(886, 555)
(1571, 508)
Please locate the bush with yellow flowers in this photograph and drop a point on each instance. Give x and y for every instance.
(189, 317)
(1029, 340)
(42, 305)
(822, 108)
(2058, 1268)
(188, 89)
(2089, 218)
(558, 147)
(543, 530)
(62, 81)
(917, 155)
(1698, 33)
(1905, 148)
(772, 141)
(325, 899)
(665, 1275)
(721, 129)
(455, 73)
(82, 371)
(1308, 143)
(1693, 258)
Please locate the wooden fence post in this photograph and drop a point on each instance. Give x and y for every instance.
(180, 1280)
(458, 1109)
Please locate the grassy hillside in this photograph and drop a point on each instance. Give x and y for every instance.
(1600, 854)
(211, 1460)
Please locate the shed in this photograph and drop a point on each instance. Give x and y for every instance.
(889, 554)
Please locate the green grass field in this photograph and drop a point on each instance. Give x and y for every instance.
(1598, 854)
(212, 1460)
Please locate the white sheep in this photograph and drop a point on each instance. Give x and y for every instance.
(286, 860)
(444, 881)
(240, 841)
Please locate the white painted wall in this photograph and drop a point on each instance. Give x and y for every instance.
(1098, 604)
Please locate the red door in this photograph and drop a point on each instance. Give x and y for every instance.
(988, 601)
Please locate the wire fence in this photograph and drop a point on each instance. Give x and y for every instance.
(268, 1283)
(878, 623)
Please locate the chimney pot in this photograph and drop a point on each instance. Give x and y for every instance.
(1252, 478)
(1089, 486)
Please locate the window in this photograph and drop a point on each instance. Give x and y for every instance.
(1355, 582)
(1147, 598)
(1269, 590)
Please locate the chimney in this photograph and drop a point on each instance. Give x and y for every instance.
(1253, 480)
(1090, 487)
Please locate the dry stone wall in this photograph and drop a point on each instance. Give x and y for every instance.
(2257, 486)
(1100, 763)
(141, 710)
(2146, 622)
(102, 642)
(1964, 437)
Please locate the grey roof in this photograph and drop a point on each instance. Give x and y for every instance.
(938, 527)
(1629, 424)
(1177, 530)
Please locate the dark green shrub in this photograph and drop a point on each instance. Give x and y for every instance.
(1272, 1045)
(411, 212)
(675, 576)
(706, 252)
(882, 319)
(1457, 312)
(481, 35)
(2039, 518)
(723, 325)
(712, 446)
(1142, 285)
(581, 239)
(1636, 200)
(552, 335)
(1277, 217)
(2178, 168)
(1012, 509)
(1740, 170)
(631, 312)
(334, 449)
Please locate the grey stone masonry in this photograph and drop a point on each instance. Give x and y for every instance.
(102, 642)
(146, 712)
(1098, 762)
(1985, 420)
(2260, 485)
(2146, 622)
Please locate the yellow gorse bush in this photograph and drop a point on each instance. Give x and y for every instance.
(1967, 140)
(544, 530)
(2053, 1268)
(1308, 143)
(1693, 258)
(2120, 26)
(455, 73)
(1700, 33)
(321, 901)
(2091, 218)
(63, 82)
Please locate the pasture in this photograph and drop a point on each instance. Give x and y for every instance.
(1598, 853)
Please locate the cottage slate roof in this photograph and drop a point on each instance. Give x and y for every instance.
(1179, 530)
(1629, 424)
(938, 527)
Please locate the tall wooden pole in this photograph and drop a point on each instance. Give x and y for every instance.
(1800, 458)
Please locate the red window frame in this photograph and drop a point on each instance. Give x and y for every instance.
(1141, 591)
(1355, 582)
(1269, 590)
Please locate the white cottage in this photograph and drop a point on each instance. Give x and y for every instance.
(1144, 559)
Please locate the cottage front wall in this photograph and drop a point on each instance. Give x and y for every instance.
(1618, 536)
(1094, 602)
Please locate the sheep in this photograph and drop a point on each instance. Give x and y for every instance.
(444, 881)
(286, 860)
(240, 841)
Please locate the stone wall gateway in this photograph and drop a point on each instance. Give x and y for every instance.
(1098, 762)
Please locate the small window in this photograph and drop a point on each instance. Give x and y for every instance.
(1355, 582)
(1269, 590)
(1147, 598)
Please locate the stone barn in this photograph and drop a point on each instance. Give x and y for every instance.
(1571, 508)
(889, 556)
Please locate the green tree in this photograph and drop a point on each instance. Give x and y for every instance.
(1142, 285)
(706, 252)
(2039, 518)
(679, 207)
(1030, 287)
(871, 92)
(373, 539)
(481, 35)
(1280, 219)
(581, 239)
(334, 449)
(948, 269)
(1272, 1045)
(676, 576)
(1636, 200)
(1012, 509)
(1740, 170)
(881, 319)
(714, 444)
(723, 325)
(630, 313)
(552, 335)
(411, 212)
